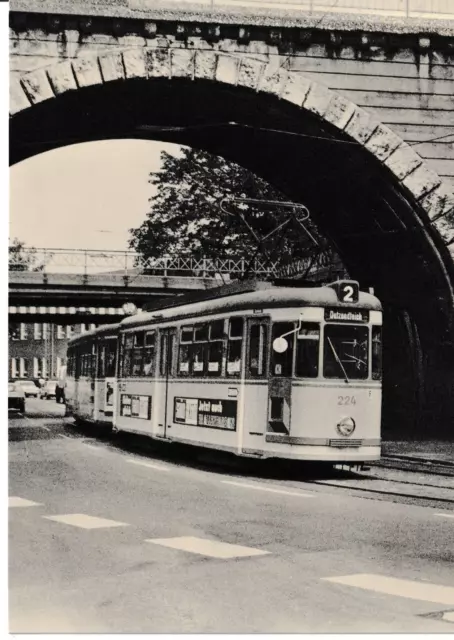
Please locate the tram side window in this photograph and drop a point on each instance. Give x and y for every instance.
(235, 346)
(215, 347)
(128, 343)
(111, 358)
(137, 354)
(258, 340)
(281, 363)
(307, 350)
(149, 353)
(102, 361)
(376, 353)
(186, 340)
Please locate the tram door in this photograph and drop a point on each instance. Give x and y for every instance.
(167, 371)
(280, 378)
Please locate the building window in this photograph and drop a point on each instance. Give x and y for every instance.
(14, 332)
(60, 332)
(38, 331)
(23, 371)
(35, 367)
(43, 369)
(23, 331)
(14, 367)
(69, 331)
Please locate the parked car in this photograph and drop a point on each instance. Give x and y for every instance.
(49, 389)
(29, 388)
(16, 396)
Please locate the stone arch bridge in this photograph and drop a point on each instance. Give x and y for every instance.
(352, 116)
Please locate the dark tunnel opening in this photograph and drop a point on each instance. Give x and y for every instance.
(384, 239)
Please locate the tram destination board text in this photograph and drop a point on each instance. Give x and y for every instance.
(346, 315)
(203, 412)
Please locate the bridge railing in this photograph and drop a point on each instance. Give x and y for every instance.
(397, 8)
(128, 263)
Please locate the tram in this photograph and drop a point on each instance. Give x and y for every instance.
(255, 369)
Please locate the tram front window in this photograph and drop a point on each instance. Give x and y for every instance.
(281, 362)
(345, 352)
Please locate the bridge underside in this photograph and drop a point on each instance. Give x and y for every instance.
(383, 236)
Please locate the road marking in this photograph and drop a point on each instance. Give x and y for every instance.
(149, 464)
(14, 501)
(444, 515)
(211, 548)
(85, 522)
(448, 616)
(46, 428)
(396, 587)
(269, 489)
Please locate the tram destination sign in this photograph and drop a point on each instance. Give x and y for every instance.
(203, 412)
(346, 315)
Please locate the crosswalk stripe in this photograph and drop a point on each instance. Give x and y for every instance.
(444, 515)
(438, 593)
(204, 547)
(258, 487)
(83, 521)
(158, 467)
(15, 501)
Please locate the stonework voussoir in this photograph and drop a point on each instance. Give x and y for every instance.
(182, 61)
(37, 86)
(361, 126)
(62, 77)
(440, 202)
(112, 67)
(134, 62)
(296, 89)
(227, 69)
(403, 161)
(205, 65)
(421, 181)
(158, 64)
(445, 227)
(318, 99)
(273, 79)
(18, 100)
(339, 111)
(250, 72)
(87, 72)
(383, 142)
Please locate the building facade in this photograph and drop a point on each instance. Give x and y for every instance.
(38, 349)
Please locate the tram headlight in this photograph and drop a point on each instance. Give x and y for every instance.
(346, 426)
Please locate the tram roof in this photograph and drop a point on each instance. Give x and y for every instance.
(104, 329)
(256, 295)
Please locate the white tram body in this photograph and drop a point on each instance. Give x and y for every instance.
(268, 372)
(91, 375)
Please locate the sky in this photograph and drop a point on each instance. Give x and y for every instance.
(84, 196)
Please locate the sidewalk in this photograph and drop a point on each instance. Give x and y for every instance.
(435, 451)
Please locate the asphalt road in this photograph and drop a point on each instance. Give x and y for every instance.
(104, 538)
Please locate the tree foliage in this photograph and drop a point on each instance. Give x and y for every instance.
(186, 218)
(22, 258)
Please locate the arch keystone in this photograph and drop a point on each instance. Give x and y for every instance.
(37, 86)
(62, 77)
(112, 67)
(205, 65)
(158, 63)
(134, 61)
(403, 161)
(87, 72)
(227, 69)
(383, 142)
(182, 61)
